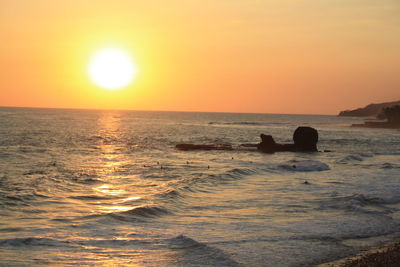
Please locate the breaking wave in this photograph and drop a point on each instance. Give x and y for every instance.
(194, 253)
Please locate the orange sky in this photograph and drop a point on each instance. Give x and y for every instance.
(265, 56)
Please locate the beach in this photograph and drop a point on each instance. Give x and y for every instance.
(388, 255)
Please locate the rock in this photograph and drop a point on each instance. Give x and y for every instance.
(268, 144)
(305, 139)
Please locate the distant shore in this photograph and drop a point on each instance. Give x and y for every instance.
(371, 110)
(388, 255)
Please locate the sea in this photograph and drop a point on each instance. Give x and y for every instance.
(109, 188)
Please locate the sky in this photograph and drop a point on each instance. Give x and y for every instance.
(256, 56)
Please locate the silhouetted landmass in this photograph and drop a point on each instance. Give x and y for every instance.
(371, 110)
(392, 115)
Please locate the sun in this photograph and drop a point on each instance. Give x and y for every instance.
(112, 68)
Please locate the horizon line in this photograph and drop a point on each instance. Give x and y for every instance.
(148, 110)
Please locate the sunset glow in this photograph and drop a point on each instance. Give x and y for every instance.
(308, 57)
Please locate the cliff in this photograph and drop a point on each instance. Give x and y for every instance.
(371, 110)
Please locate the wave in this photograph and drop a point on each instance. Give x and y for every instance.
(366, 155)
(361, 203)
(203, 182)
(241, 172)
(304, 166)
(84, 176)
(147, 211)
(5, 155)
(92, 197)
(170, 194)
(21, 199)
(107, 243)
(181, 242)
(193, 253)
(49, 242)
(248, 123)
(358, 159)
(351, 158)
(388, 165)
(33, 241)
(215, 179)
(33, 172)
(140, 213)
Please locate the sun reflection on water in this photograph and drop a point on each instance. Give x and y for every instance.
(130, 199)
(112, 161)
(117, 208)
(109, 190)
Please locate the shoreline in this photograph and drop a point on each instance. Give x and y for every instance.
(385, 255)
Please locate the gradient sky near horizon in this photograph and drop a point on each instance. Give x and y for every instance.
(269, 56)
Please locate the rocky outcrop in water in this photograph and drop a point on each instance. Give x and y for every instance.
(305, 140)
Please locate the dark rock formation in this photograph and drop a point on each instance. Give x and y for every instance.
(371, 110)
(392, 114)
(268, 145)
(305, 140)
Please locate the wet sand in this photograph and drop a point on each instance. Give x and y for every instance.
(388, 256)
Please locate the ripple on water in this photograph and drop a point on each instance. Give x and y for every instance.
(304, 166)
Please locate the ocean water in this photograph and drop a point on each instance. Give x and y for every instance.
(108, 188)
